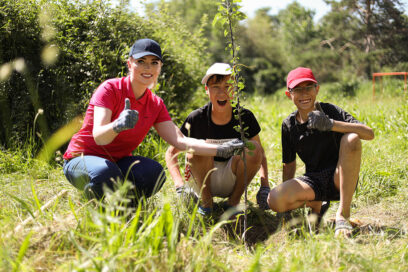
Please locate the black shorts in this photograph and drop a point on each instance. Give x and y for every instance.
(322, 184)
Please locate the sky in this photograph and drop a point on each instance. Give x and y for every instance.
(319, 6)
(250, 6)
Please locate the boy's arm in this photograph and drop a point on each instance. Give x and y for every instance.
(317, 119)
(289, 170)
(263, 170)
(173, 136)
(173, 166)
(363, 131)
(264, 189)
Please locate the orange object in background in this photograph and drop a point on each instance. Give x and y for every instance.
(390, 74)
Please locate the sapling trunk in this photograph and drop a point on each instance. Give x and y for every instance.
(237, 93)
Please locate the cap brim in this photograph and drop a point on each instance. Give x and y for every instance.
(206, 77)
(298, 81)
(142, 54)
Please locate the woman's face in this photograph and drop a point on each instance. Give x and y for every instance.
(144, 70)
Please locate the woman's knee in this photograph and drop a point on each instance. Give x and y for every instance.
(148, 176)
(351, 142)
(91, 174)
(158, 178)
(158, 184)
(103, 178)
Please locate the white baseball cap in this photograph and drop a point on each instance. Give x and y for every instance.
(217, 68)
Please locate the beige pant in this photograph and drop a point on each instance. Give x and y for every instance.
(222, 180)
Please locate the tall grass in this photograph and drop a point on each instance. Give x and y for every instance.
(164, 234)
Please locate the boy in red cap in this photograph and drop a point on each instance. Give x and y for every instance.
(328, 140)
(215, 123)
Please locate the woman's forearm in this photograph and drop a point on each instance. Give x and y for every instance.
(104, 135)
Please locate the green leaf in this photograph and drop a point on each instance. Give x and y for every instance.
(250, 145)
(216, 19)
(36, 200)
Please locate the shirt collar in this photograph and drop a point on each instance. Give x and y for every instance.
(210, 105)
(143, 100)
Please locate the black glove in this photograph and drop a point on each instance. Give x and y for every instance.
(262, 197)
(127, 118)
(318, 120)
(228, 149)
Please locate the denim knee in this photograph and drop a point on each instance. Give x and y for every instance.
(147, 175)
(91, 174)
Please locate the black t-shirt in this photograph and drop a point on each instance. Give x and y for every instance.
(317, 149)
(202, 126)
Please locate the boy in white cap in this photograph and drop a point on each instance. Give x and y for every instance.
(328, 140)
(214, 123)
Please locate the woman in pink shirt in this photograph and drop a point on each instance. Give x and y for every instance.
(119, 115)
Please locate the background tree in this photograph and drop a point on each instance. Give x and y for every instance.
(297, 33)
(261, 53)
(368, 35)
(198, 15)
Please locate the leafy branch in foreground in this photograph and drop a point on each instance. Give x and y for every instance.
(228, 17)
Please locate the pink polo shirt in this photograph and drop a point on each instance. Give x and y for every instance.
(111, 94)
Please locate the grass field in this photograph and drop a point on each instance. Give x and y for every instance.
(73, 234)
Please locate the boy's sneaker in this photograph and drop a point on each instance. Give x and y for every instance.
(186, 194)
(204, 211)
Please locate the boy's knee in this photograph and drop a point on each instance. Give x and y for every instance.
(196, 159)
(351, 141)
(255, 155)
(276, 201)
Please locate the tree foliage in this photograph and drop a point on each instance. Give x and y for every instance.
(67, 48)
(354, 39)
(374, 34)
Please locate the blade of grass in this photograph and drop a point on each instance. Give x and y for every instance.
(21, 252)
(23, 203)
(36, 200)
(71, 206)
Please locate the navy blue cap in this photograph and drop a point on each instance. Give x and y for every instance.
(145, 47)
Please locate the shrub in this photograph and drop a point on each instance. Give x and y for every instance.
(91, 42)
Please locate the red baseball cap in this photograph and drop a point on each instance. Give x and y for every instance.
(299, 75)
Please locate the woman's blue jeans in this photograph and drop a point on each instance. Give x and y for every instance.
(92, 173)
